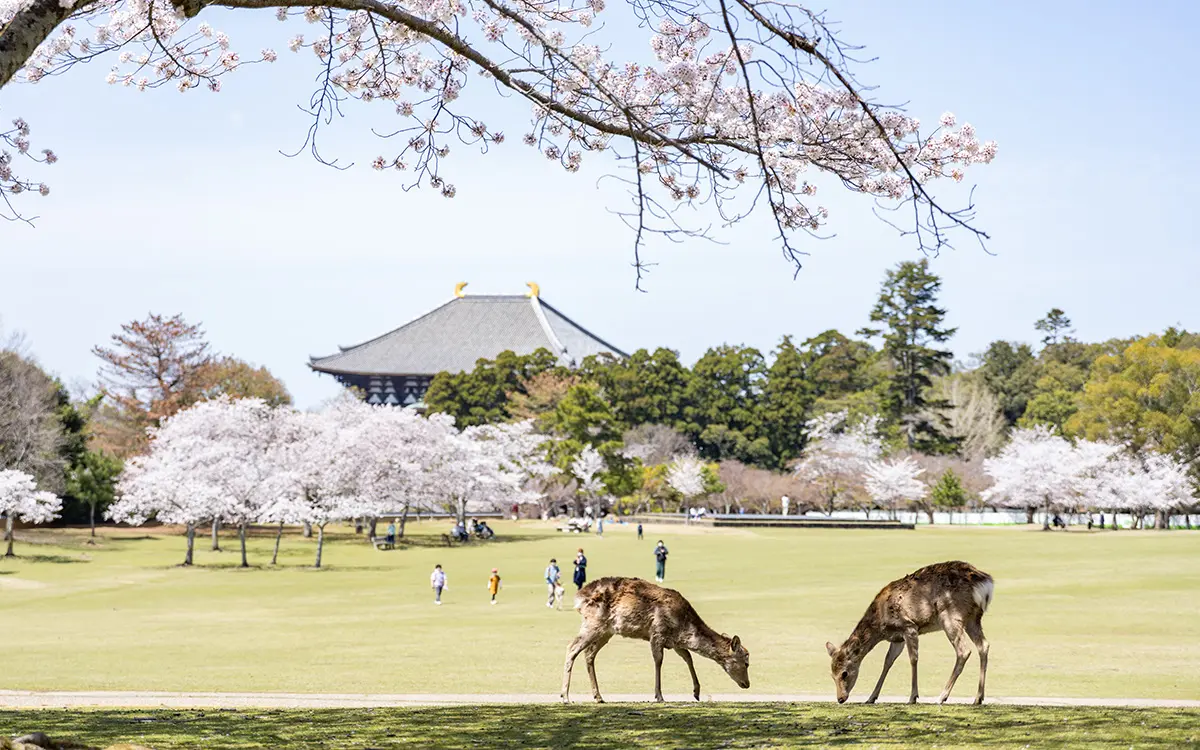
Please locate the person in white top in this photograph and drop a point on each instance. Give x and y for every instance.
(438, 581)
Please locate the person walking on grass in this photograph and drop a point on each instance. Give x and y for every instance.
(660, 558)
(580, 577)
(438, 581)
(494, 584)
(639, 531)
(552, 574)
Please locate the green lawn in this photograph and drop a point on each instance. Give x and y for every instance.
(682, 726)
(1106, 614)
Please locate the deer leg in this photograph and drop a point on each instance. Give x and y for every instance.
(910, 640)
(962, 652)
(687, 659)
(580, 642)
(974, 630)
(589, 657)
(893, 653)
(656, 650)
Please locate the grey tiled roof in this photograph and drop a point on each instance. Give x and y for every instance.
(457, 334)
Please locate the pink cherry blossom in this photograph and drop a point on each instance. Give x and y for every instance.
(694, 105)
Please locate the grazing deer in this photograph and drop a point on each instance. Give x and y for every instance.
(634, 608)
(951, 595)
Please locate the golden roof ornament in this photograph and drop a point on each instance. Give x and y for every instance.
(534, 290)
(458, 289)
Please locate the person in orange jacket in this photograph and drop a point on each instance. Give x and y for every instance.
(494, 584)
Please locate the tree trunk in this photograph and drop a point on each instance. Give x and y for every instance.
(242, 539)
(403, 522)
(371, 528)
(8, 534)
(216, 540)
(320, 543)
(92, 518)
(307, 530)
(278, 538)
(1162, 521)
(1046, 518)
(191, 543)
(929, 513)
(32, 25)
(461, 510)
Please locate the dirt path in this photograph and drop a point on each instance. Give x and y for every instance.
(120, 699)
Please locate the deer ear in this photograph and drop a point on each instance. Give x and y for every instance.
(736, 643)
(829, 647)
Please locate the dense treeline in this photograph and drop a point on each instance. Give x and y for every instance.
(738, 404)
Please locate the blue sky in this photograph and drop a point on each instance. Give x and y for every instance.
(182, 203)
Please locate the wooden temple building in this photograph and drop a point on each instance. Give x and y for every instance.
(397, 367)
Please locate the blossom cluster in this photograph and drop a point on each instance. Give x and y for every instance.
(241, 462)
(16, 138)
(701, 115)
(20, 499)
(1039, 469)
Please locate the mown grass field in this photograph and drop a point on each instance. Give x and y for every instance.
(1103, 614)
(579, 727)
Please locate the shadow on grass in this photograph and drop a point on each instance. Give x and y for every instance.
(56, 559)
(594, 727)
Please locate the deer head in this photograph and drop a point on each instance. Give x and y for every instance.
(737, 663)
(844, 669)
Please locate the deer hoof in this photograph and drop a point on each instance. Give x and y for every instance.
(598, 699)
(979, 701)
(659, 699)
(696, 695)
(912, 700)
(872, 699)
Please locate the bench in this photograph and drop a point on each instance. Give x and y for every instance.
(382, 543)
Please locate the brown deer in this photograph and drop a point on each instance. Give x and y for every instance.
(634, 608)
(951, 595)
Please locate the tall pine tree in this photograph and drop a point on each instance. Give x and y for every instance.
(912, 327)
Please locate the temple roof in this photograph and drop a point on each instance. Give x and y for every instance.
(454, 336)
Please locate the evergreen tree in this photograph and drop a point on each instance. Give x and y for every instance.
(1011, 374)
(912, 321)
(723, 406)
(949, 492)
(787, 397)
(481, 396)
(646, 388)
(1056, 325)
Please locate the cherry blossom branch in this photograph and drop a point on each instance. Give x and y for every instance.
(708, 114)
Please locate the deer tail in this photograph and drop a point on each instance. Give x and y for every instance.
(982, 593)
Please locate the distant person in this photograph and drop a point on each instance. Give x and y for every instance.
(660, 561)
(438, 581)
(515, 510)
(391, 532)
(494, 584)
(1102, 520)
(600, 527)
(639, 531)
(580, 577)
(552, 577)
(786, 501)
